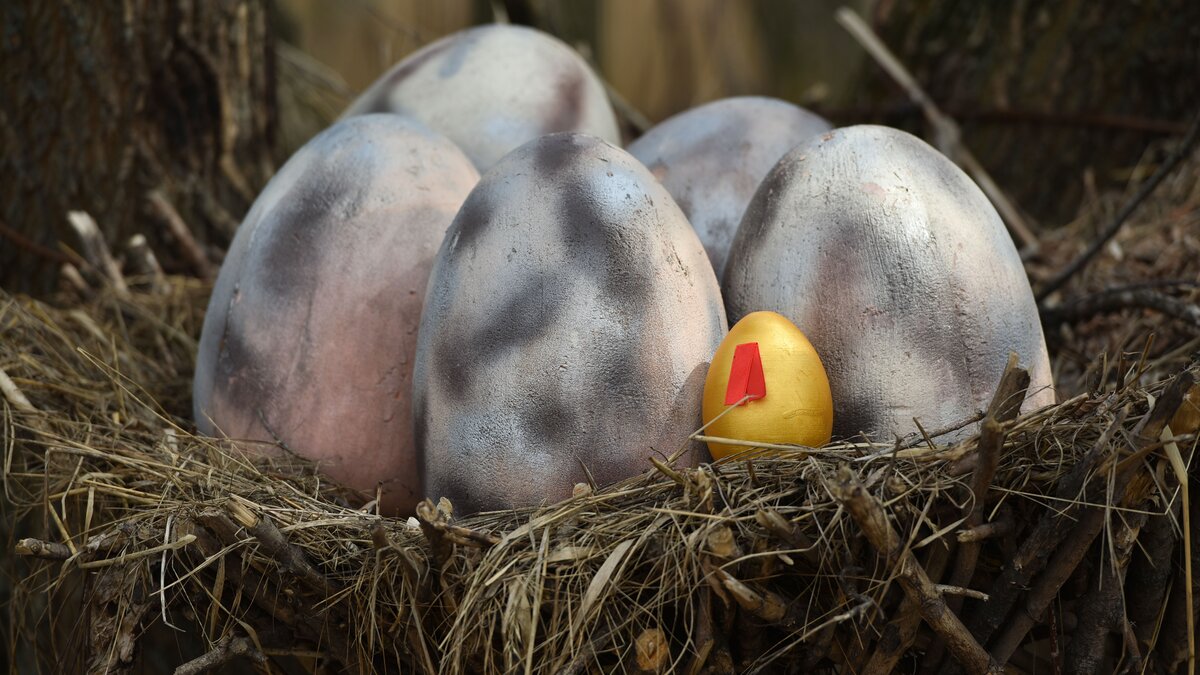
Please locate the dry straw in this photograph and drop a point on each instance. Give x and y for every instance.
(852, 556)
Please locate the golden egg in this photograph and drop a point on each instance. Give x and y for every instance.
(797, 407)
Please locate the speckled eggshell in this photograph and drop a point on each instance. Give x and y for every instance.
(311, 330)
(900, 272)
(569, 322)
(712, 158)
(492, 88)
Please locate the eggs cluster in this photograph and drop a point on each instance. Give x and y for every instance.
(419, 329)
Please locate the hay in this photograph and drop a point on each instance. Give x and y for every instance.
(128, 521)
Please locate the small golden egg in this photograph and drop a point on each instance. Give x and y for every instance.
(797, 407)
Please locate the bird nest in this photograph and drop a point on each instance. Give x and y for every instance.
(140, 542)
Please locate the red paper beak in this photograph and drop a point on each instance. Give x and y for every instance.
(745, 375)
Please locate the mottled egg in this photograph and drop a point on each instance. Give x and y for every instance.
(568, 326)
(899, 271)
(712, 158)
(311, 330)
(492, 88)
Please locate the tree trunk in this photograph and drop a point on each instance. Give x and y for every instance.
(105, 102)
(1046, 91)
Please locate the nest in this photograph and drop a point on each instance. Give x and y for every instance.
(848, 557)
(1063, 538)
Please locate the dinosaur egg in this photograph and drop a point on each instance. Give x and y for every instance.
(901, 274)
(311, 329)
(493, 88)
(790, 405)
(712, 158)
(568, 326)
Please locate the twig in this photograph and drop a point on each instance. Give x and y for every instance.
(437, 520)
(1115, 299)
(872, 519)
(947, 135)
(183, 236)
(14, 395)
(1102, 610)
(1066, 559)
(289, 557)
(38, 249)
(900, 633)
(137, 555)
(996, 528)
(95, 250)
(143, 263)
(1126, 211)
(227, 649)
(1005, 405)
(46, 550)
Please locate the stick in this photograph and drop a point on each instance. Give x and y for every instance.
(947, 135)
(1066, 559)
(1005, 405)
(142, 263)
(1184, 149)
(289, 557)
(37, 249)
(46, 550)
(95, 250)
(900, 633)
(227, 649)
(1115, 299)
(872, 519)
(14, 395)
(183, 236)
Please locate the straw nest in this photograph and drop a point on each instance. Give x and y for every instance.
(1062, 538)
(846, 557)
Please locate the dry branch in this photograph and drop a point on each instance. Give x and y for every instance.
(872, 519)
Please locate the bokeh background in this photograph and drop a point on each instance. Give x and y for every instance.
(105, 104)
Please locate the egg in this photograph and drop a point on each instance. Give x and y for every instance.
(310, 336)
(492, 88)
(900, 273)
(568, 326)
(712, 158)
(793, 406)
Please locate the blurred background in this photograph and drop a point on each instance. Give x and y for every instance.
(196, 103)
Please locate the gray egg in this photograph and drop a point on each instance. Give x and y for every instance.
(311, 330)
(569, 323)
(492, 88)
(901, 274)
(712, 158)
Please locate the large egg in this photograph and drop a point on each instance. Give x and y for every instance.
(492, 88)
(899, 271)
(712, 158)
(311, 330)
(568, 326)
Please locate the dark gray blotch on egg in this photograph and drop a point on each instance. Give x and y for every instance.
(900, 272)
(311, 330)
(569, 322)
(712, 158)
(492, 88)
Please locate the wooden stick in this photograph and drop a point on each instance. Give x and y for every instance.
(289, 557)
(872, 519)
(1005, 406)
(14, 395)
(143, 263)
(183, 236)
(900, 633)
(227, 649)
(1066, 559)
(46, 550)
(1116, 299)
(95, 250)
(947, 135)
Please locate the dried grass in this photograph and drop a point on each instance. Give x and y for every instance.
(751, 565)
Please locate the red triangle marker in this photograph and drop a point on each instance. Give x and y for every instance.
(745, 375)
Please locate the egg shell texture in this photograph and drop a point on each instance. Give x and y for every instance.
(713, 157)
(311, 329)
(569, 322)
(492, 88)
(900, 273)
